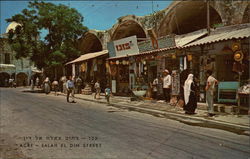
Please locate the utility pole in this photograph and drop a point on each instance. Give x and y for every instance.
(208, 17)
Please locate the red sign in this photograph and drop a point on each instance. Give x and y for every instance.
(121, 47)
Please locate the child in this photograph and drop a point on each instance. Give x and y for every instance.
(107, 93)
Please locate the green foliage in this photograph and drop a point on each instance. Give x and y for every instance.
(64, 26)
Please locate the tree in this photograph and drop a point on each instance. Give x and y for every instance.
(63, 25)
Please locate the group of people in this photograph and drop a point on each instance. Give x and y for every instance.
(70, 86)
(189, 92)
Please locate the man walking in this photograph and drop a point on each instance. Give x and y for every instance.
(211, 82)
(70, 89)
(166, 85)
(97, 89)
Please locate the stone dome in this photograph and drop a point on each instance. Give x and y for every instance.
(12, 25)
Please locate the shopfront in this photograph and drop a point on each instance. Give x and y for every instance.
(90, 67)
(226, 53)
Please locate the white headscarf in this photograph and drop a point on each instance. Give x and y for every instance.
(47, 79)
(187, 87)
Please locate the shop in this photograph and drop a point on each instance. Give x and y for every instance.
(90, 67)
(119, 65)
(226, 52)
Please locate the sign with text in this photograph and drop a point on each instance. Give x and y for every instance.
(125, 46)
(163, 42)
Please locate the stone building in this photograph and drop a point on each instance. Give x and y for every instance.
(180, 17)
(19, 69)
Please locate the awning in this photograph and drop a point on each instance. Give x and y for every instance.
(182, 40)
(7, 66)
(224, 33)
(88, 56)
(144, 53)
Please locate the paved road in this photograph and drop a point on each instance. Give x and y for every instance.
(36, 125)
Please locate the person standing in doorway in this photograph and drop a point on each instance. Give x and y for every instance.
(79, 85)
(97, 89)
(154, 88)
(70, 89)
(190, 95)
(211, 82)
(166, 85)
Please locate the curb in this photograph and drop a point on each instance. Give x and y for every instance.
(172, 115)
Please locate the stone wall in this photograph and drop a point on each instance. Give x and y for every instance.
(163, 22)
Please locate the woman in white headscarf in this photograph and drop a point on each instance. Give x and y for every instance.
(190, 95)
(46, 83)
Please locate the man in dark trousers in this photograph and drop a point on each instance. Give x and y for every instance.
(70, 89)
(167, 85)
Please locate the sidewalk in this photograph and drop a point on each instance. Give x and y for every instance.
(160, 108)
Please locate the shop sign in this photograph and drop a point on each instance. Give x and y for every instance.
(125, 46)
(163, 42)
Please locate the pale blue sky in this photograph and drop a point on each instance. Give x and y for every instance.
(100, 15)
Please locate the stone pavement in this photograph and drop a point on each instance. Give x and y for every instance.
(162, 109)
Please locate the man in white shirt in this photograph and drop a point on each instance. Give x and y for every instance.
(166, 85)
(211, 82)
(70, 89)
(97, 89)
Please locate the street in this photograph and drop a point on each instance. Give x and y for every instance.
(36, 125)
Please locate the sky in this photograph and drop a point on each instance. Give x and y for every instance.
(99, 15)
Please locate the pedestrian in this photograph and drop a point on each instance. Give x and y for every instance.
(64, 81)
(107, 93)
(55, 86)
(14, 83)
(11, 82)
(166, 85)
(79, 85)
(6, 82)
(70, 89)
(24, 83)
(154, 88)
(97, 89)
(190, 97)
(32, 84)
(92, 83)
(46, 84)
(211, 82)
(37, 82)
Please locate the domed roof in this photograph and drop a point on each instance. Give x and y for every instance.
(12, 25)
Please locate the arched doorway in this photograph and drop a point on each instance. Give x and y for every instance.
(187, 17)
(4, 79)
(22, 79)
(128, 28)
(246, 15)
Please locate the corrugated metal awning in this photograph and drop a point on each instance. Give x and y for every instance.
(143, 53)
(88, 56)
(222, 35)
(182, 40)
